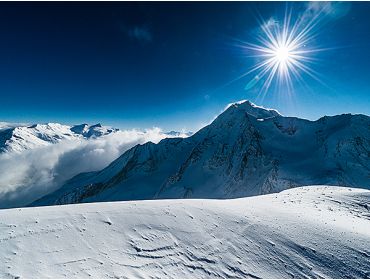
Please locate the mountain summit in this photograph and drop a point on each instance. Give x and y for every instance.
(247, 150)
(252, 109)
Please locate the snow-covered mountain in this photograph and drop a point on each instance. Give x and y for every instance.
(20, 138)
(247, 150)
(173, 133)
(307, 232)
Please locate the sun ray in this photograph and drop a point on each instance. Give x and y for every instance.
(284, 51)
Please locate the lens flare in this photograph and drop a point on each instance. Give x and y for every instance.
(284, 51)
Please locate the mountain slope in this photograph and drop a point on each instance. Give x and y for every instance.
(315, 232)
(247, 150)
(20, 138)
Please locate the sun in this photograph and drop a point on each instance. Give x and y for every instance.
(282, 54)
(283, 51)
(281, 57)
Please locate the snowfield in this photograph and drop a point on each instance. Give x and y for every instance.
(315, 231)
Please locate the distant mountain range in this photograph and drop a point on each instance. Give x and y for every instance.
(247, 150)
(20, 138)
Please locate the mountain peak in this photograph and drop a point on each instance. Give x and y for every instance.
(236, 155)
(96, 125)
(80, 128)
(252, 109)
(24, 137)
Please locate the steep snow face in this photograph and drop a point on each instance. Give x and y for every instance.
(306, 232)
(246, 151)
(20, 138)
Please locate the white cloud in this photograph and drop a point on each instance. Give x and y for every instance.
(333, 10)
(271, 23)
(31, 174)
(6, 125)
(140, 33)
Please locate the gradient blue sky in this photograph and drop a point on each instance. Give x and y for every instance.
(166, 64)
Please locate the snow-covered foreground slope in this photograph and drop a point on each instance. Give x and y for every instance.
(311, 231)
(247, 150)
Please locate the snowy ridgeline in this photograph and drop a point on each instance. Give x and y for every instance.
(21, 137)
(311, 231)
(18, 138)
(247, 150)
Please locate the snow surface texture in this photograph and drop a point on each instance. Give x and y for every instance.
(314, 231)
(247, 150)
(40, 158)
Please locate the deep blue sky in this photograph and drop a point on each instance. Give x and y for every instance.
(165, 64)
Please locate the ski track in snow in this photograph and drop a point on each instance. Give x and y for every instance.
(314, 231)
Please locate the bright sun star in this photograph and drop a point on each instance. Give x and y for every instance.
(282, 54)
(283, 50)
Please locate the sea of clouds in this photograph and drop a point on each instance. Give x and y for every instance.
(31, 174)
